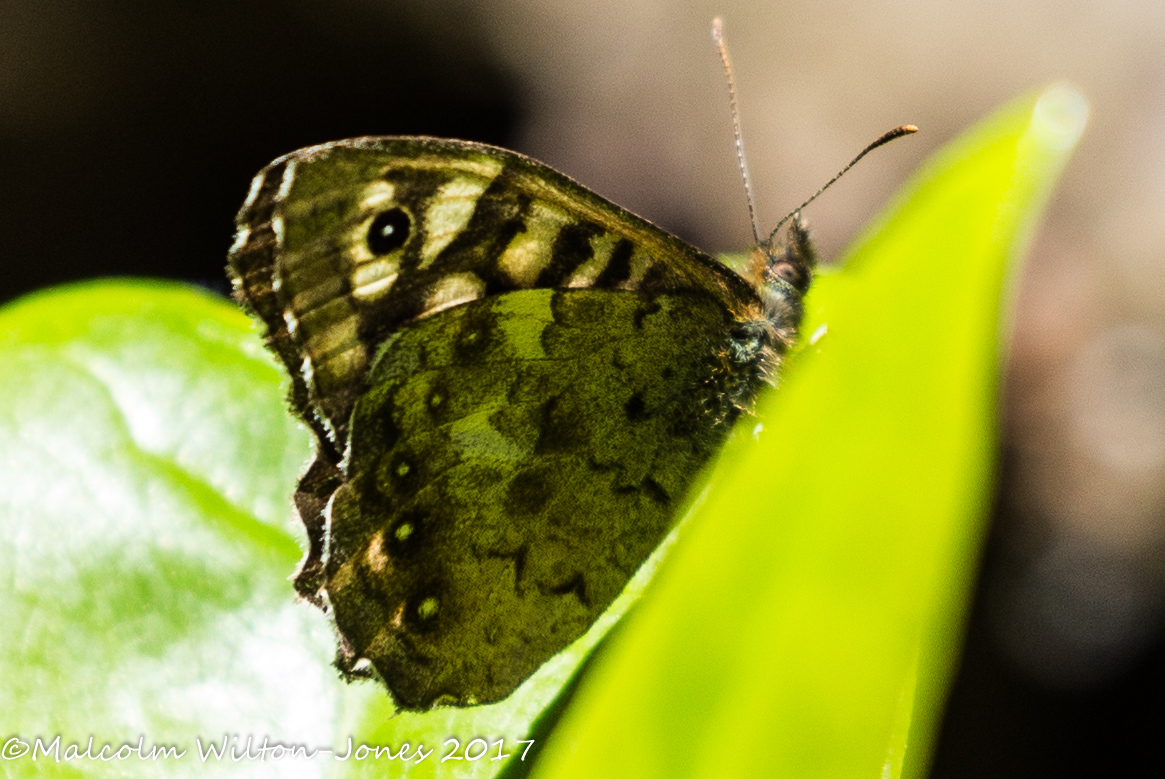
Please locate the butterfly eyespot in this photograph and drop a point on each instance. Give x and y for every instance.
(388, 231)
(427, 609)
(406, 534)
(422, 611)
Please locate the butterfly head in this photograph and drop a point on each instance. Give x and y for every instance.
(782, 270)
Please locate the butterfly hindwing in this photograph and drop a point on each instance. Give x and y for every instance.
(513, 383)
(513, 462)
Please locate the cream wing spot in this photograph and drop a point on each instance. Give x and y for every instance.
(373, 279)
(375, 556)
(290, 320)
(241, 237)
(277, 228)
(253, 192)
(376, 196)
(529, 252)
(449, 212)
(524, 258)
(453, 290)
(482, 166)
(288, 179)
(602, 245)
(641, 262)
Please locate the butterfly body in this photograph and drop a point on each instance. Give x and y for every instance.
(512, 383)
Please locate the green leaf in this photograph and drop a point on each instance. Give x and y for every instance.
(144, 458)
(146, 534)
(806, 622)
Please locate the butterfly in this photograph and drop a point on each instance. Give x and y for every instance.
(512, 384)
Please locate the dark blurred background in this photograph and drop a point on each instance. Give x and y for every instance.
(129, 131)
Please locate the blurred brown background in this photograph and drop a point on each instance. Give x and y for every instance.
(129, 131)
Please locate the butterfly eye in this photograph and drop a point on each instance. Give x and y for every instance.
(388, 232)
(795, 274)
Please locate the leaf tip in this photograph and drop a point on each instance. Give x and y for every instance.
(1060, 115)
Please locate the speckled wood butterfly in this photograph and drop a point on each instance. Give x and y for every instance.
(512, 384)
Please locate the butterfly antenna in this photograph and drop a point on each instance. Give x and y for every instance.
(718, 39)
(897, 132)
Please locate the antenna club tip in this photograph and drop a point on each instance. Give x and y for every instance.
(718, 29)
(897, 132)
